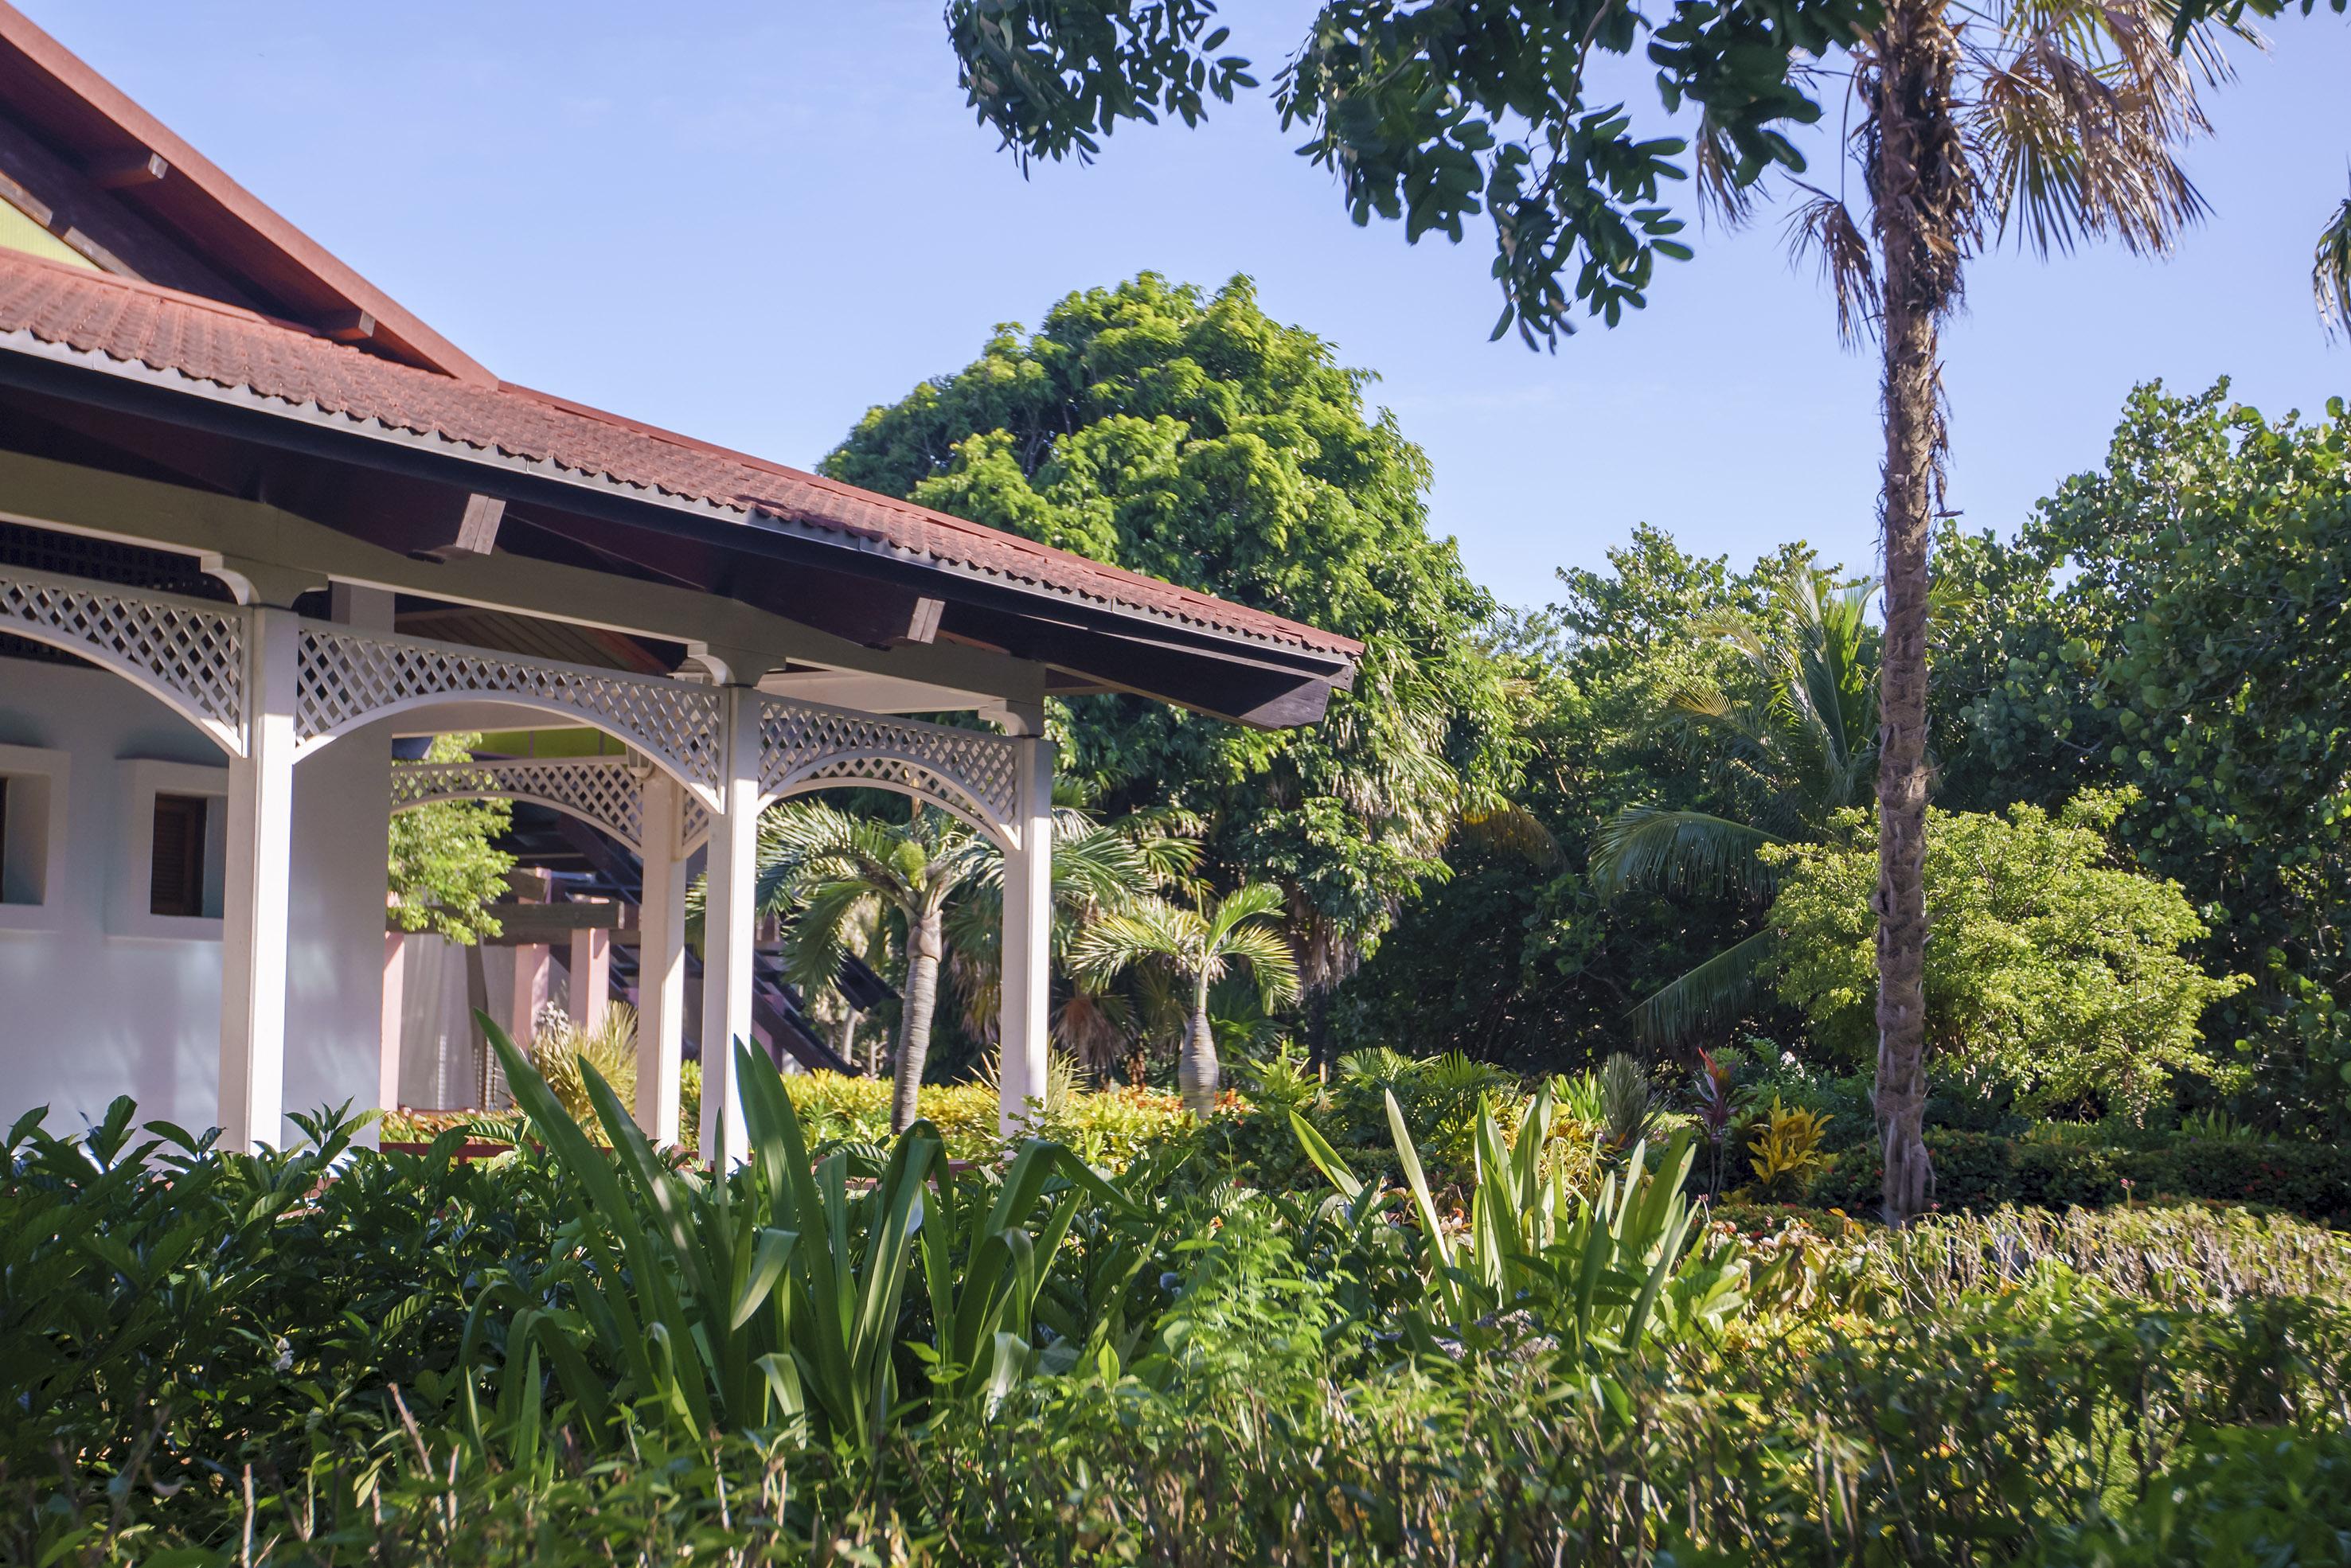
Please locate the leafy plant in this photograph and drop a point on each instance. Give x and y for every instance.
(1601, 1274)
(2050, 967)
(769, 1293)
(446, 868)
(1628, 1103)
(1785, 1152)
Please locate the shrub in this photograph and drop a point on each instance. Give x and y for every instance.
(1975, 1172)
(2049, 967)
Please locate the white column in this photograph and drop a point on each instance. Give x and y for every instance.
(395, 993)
(258, 873)
(660, 961)
(1023, 1026)
(727, 926)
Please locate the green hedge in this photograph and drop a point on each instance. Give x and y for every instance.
(1975, 1172)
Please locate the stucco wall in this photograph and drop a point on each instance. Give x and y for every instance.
(89, 1011)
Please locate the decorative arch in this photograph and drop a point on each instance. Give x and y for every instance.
(348, 679)
(187, 653)
(605, 792)
(969, 774)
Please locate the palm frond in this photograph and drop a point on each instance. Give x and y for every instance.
(2080, 106)
(1513, 829)
(1710, 996)
(1149, 929)
(1684, 852)
(1250, 903)
(1823, 229)
(1266, 953)
(826, 919)
(2330, 272)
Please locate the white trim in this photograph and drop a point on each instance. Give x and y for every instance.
(130, 882)
(49, 772)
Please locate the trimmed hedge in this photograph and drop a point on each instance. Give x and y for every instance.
(1977, 1172)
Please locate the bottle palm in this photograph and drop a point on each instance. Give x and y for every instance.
(1200, 945)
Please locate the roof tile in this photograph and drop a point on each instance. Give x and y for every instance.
(221, 344)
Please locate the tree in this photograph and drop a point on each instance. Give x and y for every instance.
(2050, 967)
(1199, 945)
(445, 867)
(1794, 744)
(2178, 624)
(2047, 121)
(1187, 437)
(833, 872)
(827, 870)
(1516, 958)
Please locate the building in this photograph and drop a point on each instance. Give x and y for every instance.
(259, 525)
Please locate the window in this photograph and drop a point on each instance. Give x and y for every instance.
(32, 835)
(175, 878)
(169, 881)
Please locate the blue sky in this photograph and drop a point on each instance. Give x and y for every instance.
(753, 221)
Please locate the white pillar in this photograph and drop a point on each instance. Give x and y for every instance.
(1023, 1026)
(258, 873)
(592, 973)
(395, 993)
(728, 924)
(660, 961)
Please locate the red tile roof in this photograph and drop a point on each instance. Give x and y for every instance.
(134, 322)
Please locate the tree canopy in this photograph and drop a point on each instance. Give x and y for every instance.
(1187, 435)
(2179, 622)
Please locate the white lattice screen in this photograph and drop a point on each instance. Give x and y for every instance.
(349, 678)
(604, 791)
(187, 651)
(806, 744)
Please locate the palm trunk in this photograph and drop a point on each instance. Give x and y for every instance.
(1197, 1071)
(1918, 190)
(923, 946)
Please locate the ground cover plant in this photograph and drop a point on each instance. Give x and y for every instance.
(1485, 1331)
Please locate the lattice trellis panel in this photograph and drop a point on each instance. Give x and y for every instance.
(189, 653)
(350, 678)
(605, 792)
(965, 771)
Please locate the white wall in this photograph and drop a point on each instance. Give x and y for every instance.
(89, 1012)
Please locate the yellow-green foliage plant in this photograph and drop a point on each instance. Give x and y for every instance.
(2051, 964)
(1601, 1274)
(1786, 1153)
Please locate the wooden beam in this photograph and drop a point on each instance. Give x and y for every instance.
(122, 171)
(353, 325)
(477, 529)
(550, 924)
(925, 625)
(107, 230)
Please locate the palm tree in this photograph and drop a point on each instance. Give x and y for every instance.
(1097, 867)
(833, 872)
(1200, 945)
(2046, 121)
(1796, 745)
